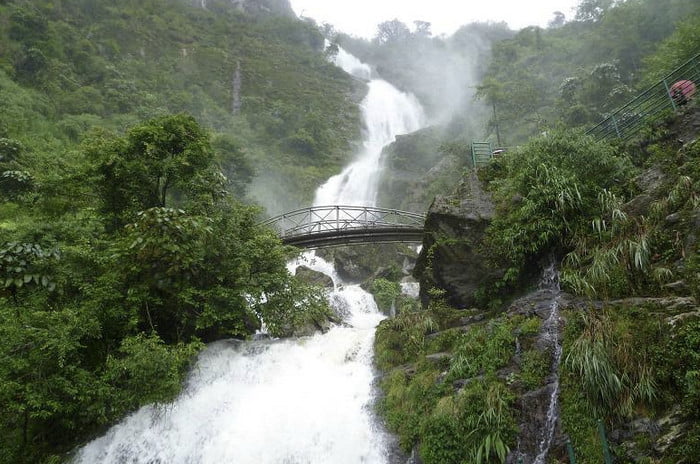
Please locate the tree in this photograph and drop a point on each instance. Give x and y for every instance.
(492, 90)
(558, 20)
(10, 150)
(164, 161)
(392, 31)
(235, 163)
(422, 29)
(592, 10)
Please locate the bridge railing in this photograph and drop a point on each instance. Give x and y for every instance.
(339, 218)
(653, 104)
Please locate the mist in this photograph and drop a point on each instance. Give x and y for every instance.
(442, 72)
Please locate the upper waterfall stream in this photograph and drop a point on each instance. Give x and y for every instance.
(291, 401)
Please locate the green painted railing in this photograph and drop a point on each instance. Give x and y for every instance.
(651, 105)
(481, 153)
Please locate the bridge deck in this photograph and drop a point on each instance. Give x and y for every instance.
(323, 226)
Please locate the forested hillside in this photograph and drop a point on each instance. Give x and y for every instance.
(260, 84)
(130, 134)
(522, 83)
(571, 75)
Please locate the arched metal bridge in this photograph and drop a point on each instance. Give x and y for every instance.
(322, 226)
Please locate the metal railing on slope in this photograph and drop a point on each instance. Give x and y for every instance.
(653, 104)
(481, 153)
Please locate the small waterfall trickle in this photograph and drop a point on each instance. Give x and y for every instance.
(550, 335)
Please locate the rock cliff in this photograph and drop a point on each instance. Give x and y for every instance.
(453, 257)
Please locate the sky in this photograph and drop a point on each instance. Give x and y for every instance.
(360, 17)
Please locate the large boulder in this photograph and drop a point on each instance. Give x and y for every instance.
(312, 277)
(359, 263)
(453, 257)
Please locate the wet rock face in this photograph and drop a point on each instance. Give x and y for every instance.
(314, 277)
(453, 257)
(533, 407)
(649, 183)
(410, 165)
(357, 264)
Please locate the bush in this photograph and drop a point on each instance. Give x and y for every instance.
(549, 193)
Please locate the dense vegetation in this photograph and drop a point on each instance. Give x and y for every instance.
(262, 84)
(571, 74)
(621, 219)
(131, 136)
(114, 276)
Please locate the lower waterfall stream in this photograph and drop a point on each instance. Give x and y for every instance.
(293, 401)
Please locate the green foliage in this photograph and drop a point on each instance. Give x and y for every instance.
(14, 184)
(613, 367)
(165, 160)
(678, 48)
(622, 363)
(146, 370)
(9, 150)
(473, 423)
(578, 422)
(385, 293)
(621, 253)
(548, 194)
(536, 365)
(25, 265)
(578, 71)
(483, 350)
(97, 323)
(144, 60)
(402, 338)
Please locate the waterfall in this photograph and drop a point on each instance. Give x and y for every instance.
(387, 113)
(291, 401)
(550, 335)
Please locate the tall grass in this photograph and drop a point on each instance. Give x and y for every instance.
(615, 374)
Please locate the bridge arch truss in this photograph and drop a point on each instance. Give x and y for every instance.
(323, 226)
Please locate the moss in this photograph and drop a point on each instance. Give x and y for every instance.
(444, 341)
(402, 339)
(421, 404)
(579, 423)
(483, 349)
(535, 367)
(687, 448)
(529, 326)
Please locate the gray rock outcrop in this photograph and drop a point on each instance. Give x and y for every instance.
(314, 277)
(453, 257)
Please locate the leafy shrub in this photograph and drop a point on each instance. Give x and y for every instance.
(549, 194)
(402, 338)
(385, 293)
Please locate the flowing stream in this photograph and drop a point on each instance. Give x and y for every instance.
(292, 401)
(550, 334)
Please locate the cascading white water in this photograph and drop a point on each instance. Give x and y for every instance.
(550, 334)
(287, 401)
(386, 113)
